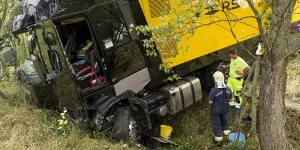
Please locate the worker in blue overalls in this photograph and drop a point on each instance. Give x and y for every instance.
(219, 98)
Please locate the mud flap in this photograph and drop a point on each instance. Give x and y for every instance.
(142, 103)
(129, 95)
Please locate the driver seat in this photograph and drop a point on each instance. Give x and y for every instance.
(90, 69)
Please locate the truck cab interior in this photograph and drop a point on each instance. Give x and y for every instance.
(80, 48)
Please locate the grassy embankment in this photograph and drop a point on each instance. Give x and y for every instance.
(24, 127)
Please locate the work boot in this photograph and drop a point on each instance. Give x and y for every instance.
(226, 132)
(218, 142)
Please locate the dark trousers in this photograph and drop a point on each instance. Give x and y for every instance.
(219, 123)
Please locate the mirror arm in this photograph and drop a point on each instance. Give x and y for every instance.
(38, 68)
(31, 43)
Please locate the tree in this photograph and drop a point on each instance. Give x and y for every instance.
(5, 6)
(273, 87)
(3, 10)
(184, 18)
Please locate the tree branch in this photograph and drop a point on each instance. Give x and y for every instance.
(234, 35)
(243, 95)
(291, 53)
(254, 94)
(260, 25)
(243, 22)
(225, 20)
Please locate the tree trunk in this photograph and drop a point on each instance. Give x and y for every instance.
(272, 118)
(274, 76)
(254, 95)
(5, 7)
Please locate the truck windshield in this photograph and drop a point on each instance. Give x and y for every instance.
(47, 42)
(23, 55)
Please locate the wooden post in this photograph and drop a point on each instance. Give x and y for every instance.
(2, 95)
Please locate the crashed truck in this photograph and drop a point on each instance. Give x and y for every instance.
(80, 55)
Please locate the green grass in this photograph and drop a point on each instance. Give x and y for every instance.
(193, 131)
(192, 128)
(22, 126)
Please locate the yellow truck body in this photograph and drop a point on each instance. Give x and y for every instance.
(214, 37)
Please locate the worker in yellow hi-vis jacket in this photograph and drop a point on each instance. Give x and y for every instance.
(238, 68)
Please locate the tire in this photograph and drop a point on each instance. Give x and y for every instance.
(124, 125)
(208, 82)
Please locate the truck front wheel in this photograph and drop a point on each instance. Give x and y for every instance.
(124, 125)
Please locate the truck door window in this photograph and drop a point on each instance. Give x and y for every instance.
(110, 25)
(46, 53)
(23, 55)
(124, 57)
(25, 71)
(48, 50)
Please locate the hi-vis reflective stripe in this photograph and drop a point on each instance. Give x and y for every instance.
(232, 103)
(226, 132)
(219, 94)
(218, 139)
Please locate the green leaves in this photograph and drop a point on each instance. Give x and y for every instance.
(151, 53)
(63, 121)
(170, 78)
(177, 25)
(131, 27)
(5, 6)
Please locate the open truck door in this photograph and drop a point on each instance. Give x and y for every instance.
(44, 71)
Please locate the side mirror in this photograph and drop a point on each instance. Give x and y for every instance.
(49, 38)
(31, 42)
(38, 67)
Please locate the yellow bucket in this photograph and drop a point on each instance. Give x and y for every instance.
(165, 131)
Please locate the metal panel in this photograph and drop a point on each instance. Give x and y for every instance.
(136, 82)
(157, 7)
(7, 58)
(182, 94)
(174, 98)
(197, 87)
(187, 92)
